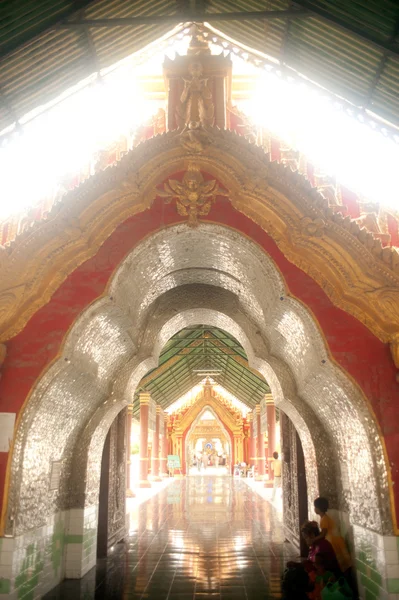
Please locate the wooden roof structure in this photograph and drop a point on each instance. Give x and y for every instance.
(350, 47)
(191, 355)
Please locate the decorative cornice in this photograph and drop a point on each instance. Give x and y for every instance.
(144, 398)
(357, 274)
(202, 401)
(269, 400)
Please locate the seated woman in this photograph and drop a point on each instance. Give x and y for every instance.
(311, 534)
(319, 545)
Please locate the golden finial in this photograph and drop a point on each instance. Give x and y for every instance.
(198, 44)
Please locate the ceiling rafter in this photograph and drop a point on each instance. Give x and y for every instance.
(189, 17)
(46, 25)
(381, 66)
(203, 348)
(354, 39)
(313, 10)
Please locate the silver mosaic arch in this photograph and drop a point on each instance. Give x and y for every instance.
(176, 278)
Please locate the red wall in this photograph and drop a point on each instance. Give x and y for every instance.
(351, 344)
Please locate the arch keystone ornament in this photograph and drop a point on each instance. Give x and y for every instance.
(193, 195)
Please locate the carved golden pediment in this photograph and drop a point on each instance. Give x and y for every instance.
(349, 263)
(221, 411)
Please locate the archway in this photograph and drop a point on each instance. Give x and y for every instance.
(227, 295)
(224, 438)
(230, 423)
(160, 286)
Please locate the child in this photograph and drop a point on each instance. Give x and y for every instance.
(330, 533)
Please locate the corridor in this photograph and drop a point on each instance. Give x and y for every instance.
(200, 537)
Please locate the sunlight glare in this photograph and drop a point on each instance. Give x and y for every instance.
(62, 140)
(362, 158)
(59, 143)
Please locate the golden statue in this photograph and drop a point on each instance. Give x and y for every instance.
(195, 107)
(193, 195)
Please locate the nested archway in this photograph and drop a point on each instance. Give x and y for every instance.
(231, 425)
(239, 290)
(222, 426)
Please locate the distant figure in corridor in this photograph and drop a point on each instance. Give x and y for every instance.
(276, 466)
(204, 461)
(330, 532)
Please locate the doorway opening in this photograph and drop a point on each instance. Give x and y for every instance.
(208, 450)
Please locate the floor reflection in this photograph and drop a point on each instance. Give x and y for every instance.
(218, 471)
(200, 537)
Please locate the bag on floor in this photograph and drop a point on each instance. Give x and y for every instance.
(339, 590)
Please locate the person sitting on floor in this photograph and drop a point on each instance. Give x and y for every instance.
(319, 545)
(330, 532)
(295, 582)
(319, 576)
(310, 533)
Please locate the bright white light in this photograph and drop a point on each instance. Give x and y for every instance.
(219, 389)
(60, 142)
(361, 158)
(64, 140)
(185, 399)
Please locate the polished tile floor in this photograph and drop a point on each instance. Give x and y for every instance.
(200, 537)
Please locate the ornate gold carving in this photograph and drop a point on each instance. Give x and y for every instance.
(193, 195)
(196, 104)
(313, 227)
(195, 139)
(203, 401)
(355, 271)
(198, 44)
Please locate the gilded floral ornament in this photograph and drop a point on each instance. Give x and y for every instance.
(193, 195)
(312, 227)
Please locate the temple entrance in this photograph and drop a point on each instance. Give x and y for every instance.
(207, 446)
(197, 285)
